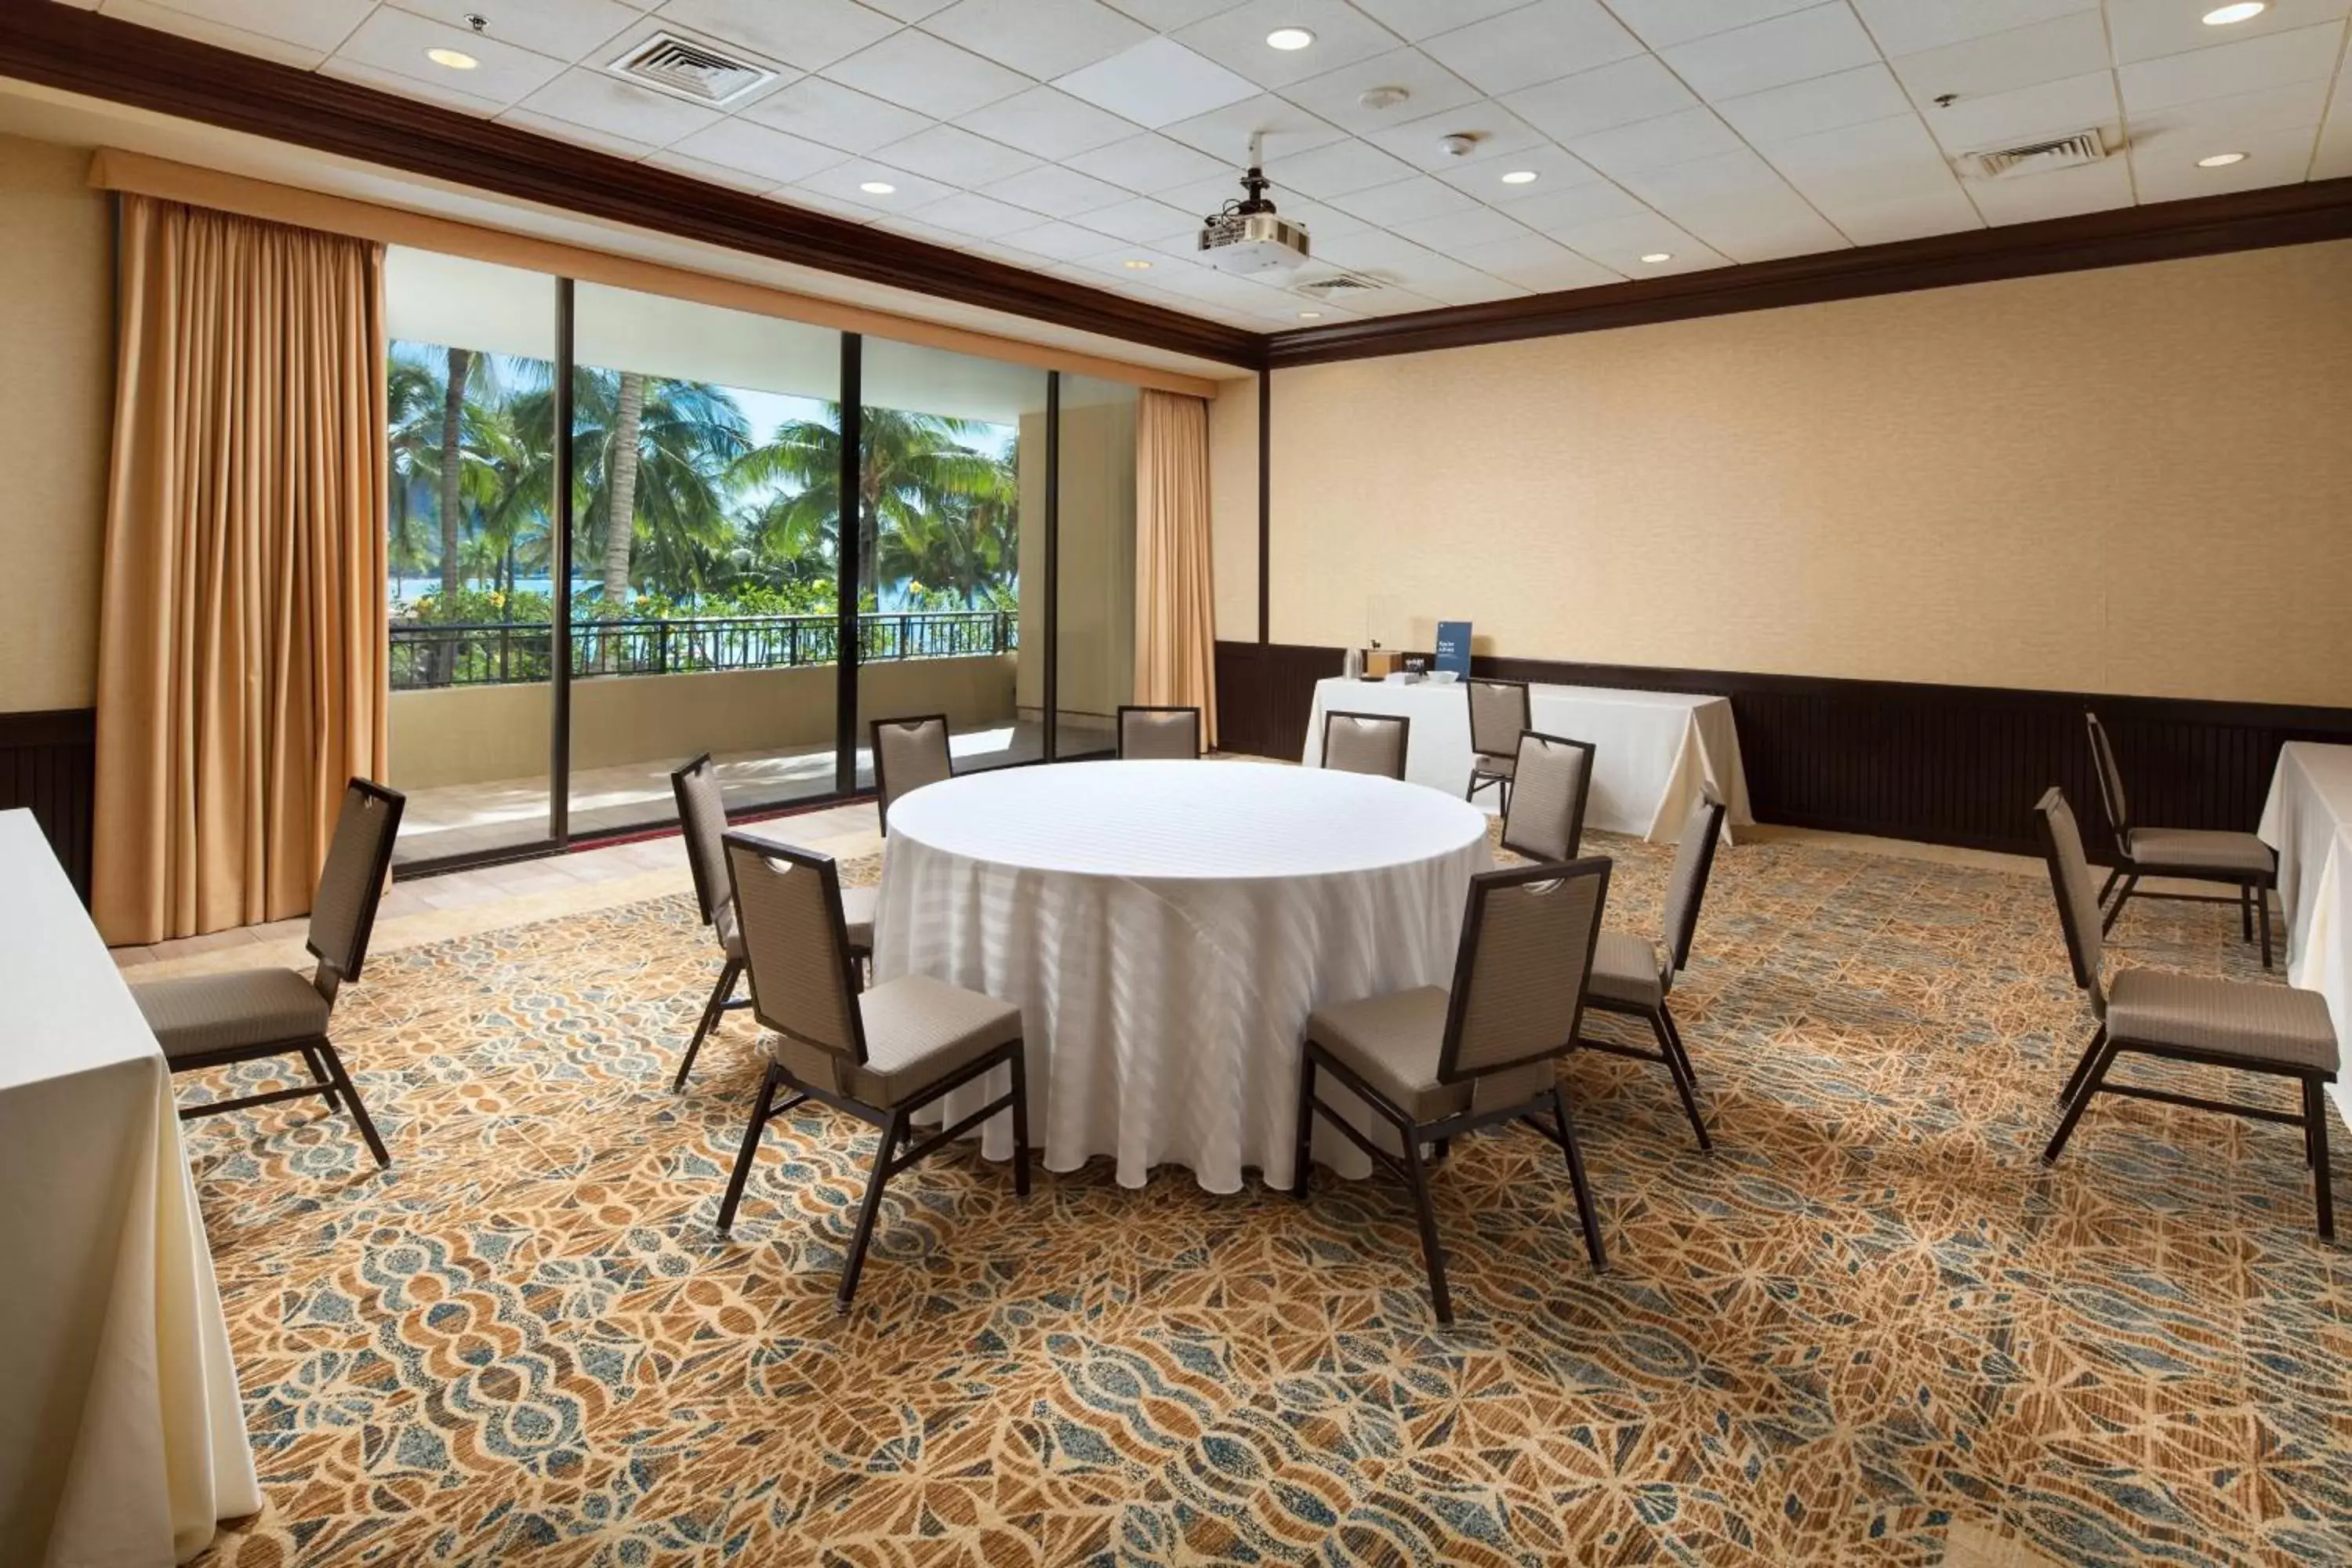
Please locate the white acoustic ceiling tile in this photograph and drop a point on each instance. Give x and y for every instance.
(1148, 163)
(1472, 288)
(1156, 83)
(1886, 160)
(1322, 222)
(1794, 48)
(1111, 267)
(1908, 27)
(566, 29)
(1553, 169)
(1048, 122)
(1662, 24)
(1941, 209)
(1825, 103)
(1753, 231)
(315, 27)
(955, 157)
(751, 148)
(2297, 106)
(1422, 18)
(929, 234)
(2164, 168)
(1143, 221)
(604, 102)
(2145, 29)
(1237, 39)
(1167, 15)
(2094, 187)
(1055, 191)
(807, 34)
(842, 183)
(1621, 244)
(1734, 176)
(1533, 261)
(529, 120)
(203, 29)
(1225, 133)
(406, 85)
(2332, 160)
(713, 173)
(1042, 38)
(835, 115)
(1448, 234)
(1336, 169)
(395, 41)
(1390, 205)
(1336, 96)
(1654, 143)
(1494, 133)
(1062, 241)
(1620, 94)
(904, 10)
(917, 71)
(2067, 45)
(801, 199)
(979, 216)
(1538, 43)
(2009, 119)
(2303, 55)
(1211, 195)
(1563, 211)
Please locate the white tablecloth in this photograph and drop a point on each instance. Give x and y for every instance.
(1653, 748)
(1166, 928)
(2308, 820)
(121, 1437)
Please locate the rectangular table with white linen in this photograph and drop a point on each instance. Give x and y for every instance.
(2308, 820)
(1651, 749)
(122, 1435)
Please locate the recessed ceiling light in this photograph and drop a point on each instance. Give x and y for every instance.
(1289, 38)
(1520, 177)
(456, 59)
(1137, 266)
(878, 188)
(1657, 255)
(2245, 11)
(1311, 315)
(2220, 160)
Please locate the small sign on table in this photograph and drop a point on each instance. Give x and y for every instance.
(1454, 648)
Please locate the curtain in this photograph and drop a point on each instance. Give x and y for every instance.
(242, 642)
(1175, 597)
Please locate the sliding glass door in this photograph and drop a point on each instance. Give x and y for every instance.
(1094, 564)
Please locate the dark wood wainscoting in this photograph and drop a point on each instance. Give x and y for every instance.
(46, 764)
(1942, 764)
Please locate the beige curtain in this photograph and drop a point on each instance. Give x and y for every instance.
(242, 661)
(1175, 603)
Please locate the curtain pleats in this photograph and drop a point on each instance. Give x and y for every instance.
(1175, 594)
(242, 646)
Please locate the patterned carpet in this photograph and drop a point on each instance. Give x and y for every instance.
(1869, 1313)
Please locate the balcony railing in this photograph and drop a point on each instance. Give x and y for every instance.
(499, 653)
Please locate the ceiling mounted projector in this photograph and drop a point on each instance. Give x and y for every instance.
(1248, 238)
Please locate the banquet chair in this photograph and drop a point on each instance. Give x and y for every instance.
(2187, 854)
(1158, 734)
(908, 754)
(1366, 743)
(1435, 1063)
(1543, 815)
(252, 1015)
(702, 822)
(1499, 714)
(879, 1054)
(1632, 974)
(2275, 1030)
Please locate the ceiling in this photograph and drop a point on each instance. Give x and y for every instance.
(1077, 137)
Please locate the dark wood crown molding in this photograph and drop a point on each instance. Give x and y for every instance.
(2247, 220)
(80, 51)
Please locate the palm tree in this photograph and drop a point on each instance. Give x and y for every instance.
(453, 416)
(414, 398)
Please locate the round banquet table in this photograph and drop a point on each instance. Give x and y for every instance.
(1166, 928)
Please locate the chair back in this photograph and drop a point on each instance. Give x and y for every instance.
(1545, 817)
(2078, 900)
(1366, 743)
(1518, 978)
(1686, 884)
(2111, 778)
(1498, 713)
(795, 948)
(1158, 734)
(350, 884)
(908, 754)
(702, 822)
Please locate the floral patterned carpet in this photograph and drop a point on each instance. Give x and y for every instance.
(1869, 1313)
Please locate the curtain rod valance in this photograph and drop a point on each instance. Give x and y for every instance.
(137, 173)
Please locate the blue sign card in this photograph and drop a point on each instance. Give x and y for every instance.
(1453, 646)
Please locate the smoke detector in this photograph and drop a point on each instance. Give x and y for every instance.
(1247, 238)
(1461, 144)
(1379, 98)
(2038, 157)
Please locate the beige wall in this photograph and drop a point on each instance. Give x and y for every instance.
(57, 303)
(2135, 480)
(1233, 507)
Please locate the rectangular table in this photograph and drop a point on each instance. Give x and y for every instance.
(122, 1435)
(2308, 820)
(1653, 748)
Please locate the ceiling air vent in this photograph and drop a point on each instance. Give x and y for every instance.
(1336, 285)
(2038, 157)
(693, 72)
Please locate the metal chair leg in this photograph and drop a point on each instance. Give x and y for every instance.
(318, 1074)
(749, 1151)
(1019, 1120)
(2263, 901)
(2245, 911)
(2083, 1067)
(1682, 1084)
(2131, 885)
(868, 1211)
(1417, 1177)
(1584, 1213)
(2082, 1098)
(343, 1082)
(712, 1011)
(2114, 875)
(1299, 1157)
(2314, 1118)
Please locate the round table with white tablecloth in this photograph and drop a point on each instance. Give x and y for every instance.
(1166, 928)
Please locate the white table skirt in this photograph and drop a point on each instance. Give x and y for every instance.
(1654, 749)
(122, 1435)
(1166, 929)
(2308, 820)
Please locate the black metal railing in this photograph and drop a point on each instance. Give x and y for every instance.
(502, 653)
